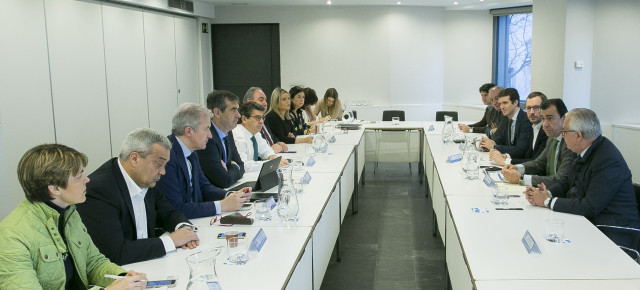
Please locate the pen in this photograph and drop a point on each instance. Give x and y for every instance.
(114, 277)
(509, 208)
(513, 195)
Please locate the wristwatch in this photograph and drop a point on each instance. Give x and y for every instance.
(547, 202)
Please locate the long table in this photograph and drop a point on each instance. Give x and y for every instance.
(484, 248)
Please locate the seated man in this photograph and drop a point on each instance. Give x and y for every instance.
(255, 94)
(555, 160)
(481, 126)
(184, 184)
(220, 161)
(251, 146)
(123, 206)
(598, 186)
(514, 134)
(539, 140)
(497, 117)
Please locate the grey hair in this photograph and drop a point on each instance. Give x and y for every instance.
(141, 141)
(188, 115)
(496, 88)
(584, 121)
(249, 94)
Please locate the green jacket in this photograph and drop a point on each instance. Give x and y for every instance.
(31, 250)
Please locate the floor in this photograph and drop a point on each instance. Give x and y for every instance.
(388, 244)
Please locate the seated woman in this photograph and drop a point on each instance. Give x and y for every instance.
(44, 243)
(278, 120)
(310, 99)
(300, 127)
(329, 105)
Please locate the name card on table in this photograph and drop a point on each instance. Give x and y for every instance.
(530, 243)
(488, 181)
(258, 241)
(270, 203)
(307, 178)
(311, 161)
(454, 158)
(431, 128)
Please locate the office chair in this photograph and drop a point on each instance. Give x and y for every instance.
(440, 115)
(633, 249)
(355, 114)
(401, 138)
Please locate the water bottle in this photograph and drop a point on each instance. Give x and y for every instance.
(288, 206)
(447, 131)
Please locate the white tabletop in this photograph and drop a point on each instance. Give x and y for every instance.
(388, 125)
(592, 284)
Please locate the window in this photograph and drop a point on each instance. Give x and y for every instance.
(512, 49)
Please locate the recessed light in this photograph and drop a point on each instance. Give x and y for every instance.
(455, 3)
(329, 2)
(398, 3)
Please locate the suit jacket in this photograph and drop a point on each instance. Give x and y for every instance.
(108, 215)
(535, 150)
(522, 136)
(273, 138)
(598, 187)
(538, 166)
(279, 128)
(213, 154)
(481, 126)
(495, 117)
(177, 189)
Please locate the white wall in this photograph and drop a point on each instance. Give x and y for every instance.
(548, 46)
(578, 47)
(385, 55)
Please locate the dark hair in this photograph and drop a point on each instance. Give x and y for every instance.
(511, 93)
(537, 94)
(247, 108)
(330, 93)
(310, 97)
(558, 103)
(295, 90)
(48, 164)
(216, 99)
(486, 87)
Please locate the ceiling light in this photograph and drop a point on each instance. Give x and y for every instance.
(455, 3)
(398, 3)
(328, 2)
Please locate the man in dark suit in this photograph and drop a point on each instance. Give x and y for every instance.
(481, 126)
(556, 159)
(539, 140)
(599, 185)
(514, 134)
(123, 206)
(184, 184)
(496, 117)
(220, 160)
(255, 94)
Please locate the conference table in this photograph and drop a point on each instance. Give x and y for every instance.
(483, 246)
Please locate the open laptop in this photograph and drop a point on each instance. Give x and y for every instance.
(267, 179)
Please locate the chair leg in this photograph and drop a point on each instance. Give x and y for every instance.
(410, 171)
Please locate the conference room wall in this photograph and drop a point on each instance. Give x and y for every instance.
(384, 55)
(63, 82)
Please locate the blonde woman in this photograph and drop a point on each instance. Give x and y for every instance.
(278, 119)
(329, 105)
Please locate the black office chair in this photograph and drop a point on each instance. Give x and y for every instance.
(440, 115)
(632, 234)
(355, 114)
(402, 137)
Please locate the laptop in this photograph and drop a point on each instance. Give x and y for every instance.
(267, 179)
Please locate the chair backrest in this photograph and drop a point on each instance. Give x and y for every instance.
(440, 115)
(355, 114)
(388, 115)
(636, 189)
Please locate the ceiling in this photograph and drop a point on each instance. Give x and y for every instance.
(448, 4)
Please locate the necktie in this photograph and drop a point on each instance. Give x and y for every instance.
(266, 136)
(190, 164)
(551, 163)
(509, 141)
(255, 148)
(226, 151)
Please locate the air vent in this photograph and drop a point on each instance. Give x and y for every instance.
(181, 4)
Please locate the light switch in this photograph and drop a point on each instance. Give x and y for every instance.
(579, 64)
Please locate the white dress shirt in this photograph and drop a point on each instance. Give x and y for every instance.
(140, 211)
(242, 138)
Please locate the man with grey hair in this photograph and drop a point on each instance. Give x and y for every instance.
(256, 95)
(185, 185)
(123, 206)
(599, 185)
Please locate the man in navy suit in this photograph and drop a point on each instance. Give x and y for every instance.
(539, 140)
(184, 184)
(220, 160)
(123, 206)
(599, 185)
(514, 134)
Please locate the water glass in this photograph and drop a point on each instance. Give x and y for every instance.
(395, 120)
(297, 178)
(471, 166)
(501, 195)
(263, 212)
(237, 247)
(554, 230)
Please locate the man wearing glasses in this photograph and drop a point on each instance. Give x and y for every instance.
(252, 148)
(539, 141)
(555, 160)
(598, 186)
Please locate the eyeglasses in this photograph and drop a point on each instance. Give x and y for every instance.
(257, 117)
(564, 132)
(534, 108)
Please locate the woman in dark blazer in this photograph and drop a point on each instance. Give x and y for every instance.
(278, 120)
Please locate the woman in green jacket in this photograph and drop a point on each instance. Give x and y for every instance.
(43, 241)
